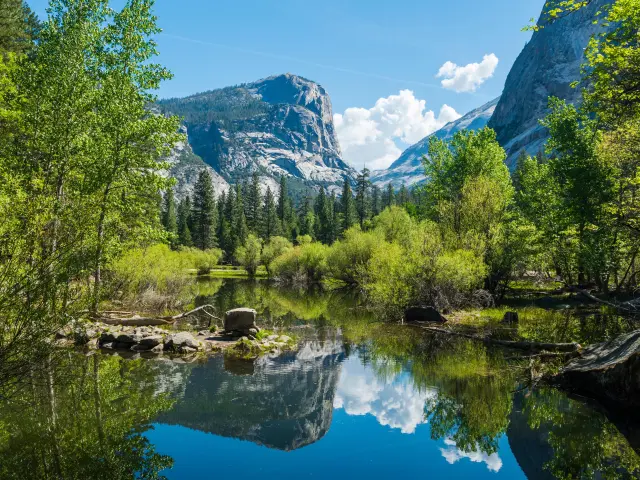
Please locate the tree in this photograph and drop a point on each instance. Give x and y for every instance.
(376, 201)
(275, 247)
(184, 220)
(269, 216)
(239, 222)
(324, 217)
(169, 215)
(248, 255)
(204, 212)
(19, 26)
(389, 196)
(348, 207)
(363, 199)
(254, 204)
(307, 218)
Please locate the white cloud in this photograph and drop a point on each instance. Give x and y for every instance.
(469, 77)
(452, 454)
(369, 136)
(395, 403)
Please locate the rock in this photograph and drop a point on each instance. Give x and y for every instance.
(108, 337)
(284, 339)
(510, 317)
(240, 319)
(182, 339)
(609, 371)
(252, 331)
(139, 347)
(108, 345)
(129, 338)
(157, 349)
(272, 338)
(152, 340)
(423, 314)
(187, 350)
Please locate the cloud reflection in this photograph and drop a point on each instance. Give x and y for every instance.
(394, 403)
(452, 454)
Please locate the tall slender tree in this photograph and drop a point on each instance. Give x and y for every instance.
(169, 215)
(254, 204)
(389, 196)
(376, 201)
(363, 199)
(348, 207)
(184, 222)
(205, 215)
(269, 216)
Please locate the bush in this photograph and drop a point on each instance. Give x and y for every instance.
(395, 225)
(272, 250)
(422, 272)
(157, 277)
(248, 255)
(306, 263)
(348, 259)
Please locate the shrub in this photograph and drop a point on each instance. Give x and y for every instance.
(395, 225)
(248, 255)
(201, 260)
(272, 250)
(305, 263)
(348, 259)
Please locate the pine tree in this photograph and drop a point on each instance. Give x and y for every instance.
(389, 197)
(184, 221)
(240, 229)
(307, 218)
(376, 201)
(169, 216)
(285, 209)
(324, 219)
(205, 214)
(334, 205)
(269, 216)
(348, 207)
(254, 200)
(403, 195)
(19, 26)
(363, 201)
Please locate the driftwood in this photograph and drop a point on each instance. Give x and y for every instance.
(114, 318)
(527, 346)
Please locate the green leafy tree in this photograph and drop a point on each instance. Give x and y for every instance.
(249, 254)
(307, 218)
(324, 215)
(275, 247)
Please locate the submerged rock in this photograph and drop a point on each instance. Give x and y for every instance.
(182, 340)
(609, 371)
(423, 314)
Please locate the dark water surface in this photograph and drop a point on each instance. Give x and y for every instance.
(359, 399)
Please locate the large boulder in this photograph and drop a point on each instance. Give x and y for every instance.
(240, 319)
(182, 340)
(423, 314)
(609, 371)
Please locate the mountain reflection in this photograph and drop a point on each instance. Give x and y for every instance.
(284, 402)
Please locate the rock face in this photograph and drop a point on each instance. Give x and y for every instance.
(281, 125)
(546, 67)
(408, 169)
(609, 371)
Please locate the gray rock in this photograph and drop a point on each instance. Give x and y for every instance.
(129, 338)
(240, 319)
(139, 347)
(187, 350)
(272, 338)
(152, 340)
(108, 345)
(157, 349)
(182, 339)
(108, 337)
(284, 339)
(423, 314)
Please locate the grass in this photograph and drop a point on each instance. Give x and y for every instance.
(232, 271)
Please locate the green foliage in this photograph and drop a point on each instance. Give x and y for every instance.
(275, 247)
(249, 254)
(349, 258)
(205, 215)
(19, 27)
(305, 263)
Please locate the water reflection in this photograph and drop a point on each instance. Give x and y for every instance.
(282, 402)
(359, 399)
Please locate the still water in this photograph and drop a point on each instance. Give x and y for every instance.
(358, 399)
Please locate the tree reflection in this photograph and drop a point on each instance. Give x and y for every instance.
(85, 418)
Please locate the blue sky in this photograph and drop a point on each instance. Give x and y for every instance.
(359, 50)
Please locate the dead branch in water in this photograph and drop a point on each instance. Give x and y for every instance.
(528, 346)
(632, 306)
(113, 318)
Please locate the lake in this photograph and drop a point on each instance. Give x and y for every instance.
(358, 398)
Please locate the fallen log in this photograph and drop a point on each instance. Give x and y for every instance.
(138, 321)
(527, 346)
(609, 371)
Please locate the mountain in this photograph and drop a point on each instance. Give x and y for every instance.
(281, 125)
(546, 67)
(408, 169)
